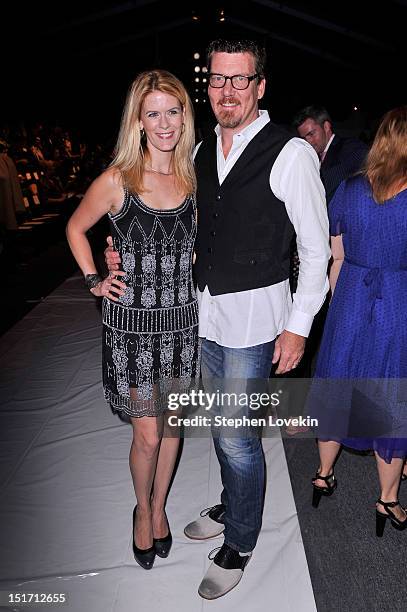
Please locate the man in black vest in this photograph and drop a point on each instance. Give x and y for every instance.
(256, 186)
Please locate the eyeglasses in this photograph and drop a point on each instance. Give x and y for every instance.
(239, 81)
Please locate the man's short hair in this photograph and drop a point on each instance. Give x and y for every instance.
(239, 46)
(318, 113)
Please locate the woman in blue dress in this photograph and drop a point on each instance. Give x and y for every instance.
(363, 351)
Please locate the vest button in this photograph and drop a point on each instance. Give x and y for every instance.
(253, 262)
(210, 250)
(213, 233)
(218, 197)
(215, 215)
(209, 267)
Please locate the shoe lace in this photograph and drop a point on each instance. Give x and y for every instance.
(215, 550)
(206, 511)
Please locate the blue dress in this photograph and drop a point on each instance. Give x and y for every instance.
(363, 352)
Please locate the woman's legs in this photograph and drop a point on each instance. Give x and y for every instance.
(389, 476)
(143, 458)
(152, 460)
(328, 451)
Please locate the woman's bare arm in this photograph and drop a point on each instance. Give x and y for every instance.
(104, 195)
(338, 255)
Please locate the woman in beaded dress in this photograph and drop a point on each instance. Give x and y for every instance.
(150, 317)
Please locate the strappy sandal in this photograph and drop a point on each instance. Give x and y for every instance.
(381, 517)
(318, 492)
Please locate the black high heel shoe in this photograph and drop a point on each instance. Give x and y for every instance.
(162, 546)
(318, 492)
(381, 518)
(144, 556)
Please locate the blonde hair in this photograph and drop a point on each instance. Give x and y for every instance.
(386, 164)
(131, 147)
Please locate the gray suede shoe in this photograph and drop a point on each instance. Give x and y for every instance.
(209, 525)
(224, 573)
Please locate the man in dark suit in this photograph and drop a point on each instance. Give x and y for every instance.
(340, 157)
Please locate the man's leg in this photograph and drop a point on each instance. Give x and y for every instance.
(241, 457)
(241, 460)
(210, 523)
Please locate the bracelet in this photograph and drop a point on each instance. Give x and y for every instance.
(91, 280)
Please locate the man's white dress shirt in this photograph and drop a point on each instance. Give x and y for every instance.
(256, 316)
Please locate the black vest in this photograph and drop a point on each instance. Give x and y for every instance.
(244, 232)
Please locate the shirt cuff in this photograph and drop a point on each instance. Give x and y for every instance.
(299, 323)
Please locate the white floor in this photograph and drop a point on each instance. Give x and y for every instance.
(66, 495)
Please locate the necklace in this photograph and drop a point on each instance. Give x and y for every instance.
(158, 171)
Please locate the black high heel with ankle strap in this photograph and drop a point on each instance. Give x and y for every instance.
(144, 556)
(318, 492)
(381, 518)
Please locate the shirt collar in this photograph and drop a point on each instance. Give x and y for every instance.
(250, 130)
(328, 144)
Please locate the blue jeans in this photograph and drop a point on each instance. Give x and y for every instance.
(241, 458)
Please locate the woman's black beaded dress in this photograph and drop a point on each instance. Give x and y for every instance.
(150, 336)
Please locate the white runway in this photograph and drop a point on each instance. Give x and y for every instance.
(67, 498)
